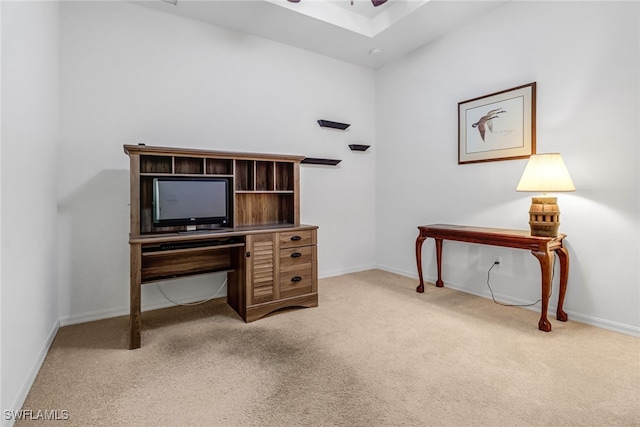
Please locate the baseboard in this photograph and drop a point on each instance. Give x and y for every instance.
(30, 379)
(124, 311)
(412, 274)
(92, 316)
(604, 324)
(341, 271)
(574, 316)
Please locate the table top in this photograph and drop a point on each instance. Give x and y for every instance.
(490, 236)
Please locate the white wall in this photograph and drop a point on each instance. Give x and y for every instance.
(130, 74)
(584, 57)
(29, 305)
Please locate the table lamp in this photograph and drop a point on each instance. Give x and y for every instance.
(545, 173)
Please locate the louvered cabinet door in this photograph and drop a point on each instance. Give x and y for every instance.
(262, 268)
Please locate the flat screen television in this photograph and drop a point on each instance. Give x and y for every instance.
(191, 201)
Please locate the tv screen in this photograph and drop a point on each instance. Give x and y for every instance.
(185, 201)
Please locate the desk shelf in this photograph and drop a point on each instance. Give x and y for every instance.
(265, 186)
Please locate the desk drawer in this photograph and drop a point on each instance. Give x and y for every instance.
(290, 239)
(293, 258)
(296, 282)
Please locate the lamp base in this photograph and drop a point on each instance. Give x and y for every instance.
(544, 216)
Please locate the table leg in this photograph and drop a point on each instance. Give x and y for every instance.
(563, 255)
(135, 315)
(439, 282)
(419, 242)
(546, 267)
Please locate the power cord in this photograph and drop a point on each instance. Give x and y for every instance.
(195, 302)
(519, 305)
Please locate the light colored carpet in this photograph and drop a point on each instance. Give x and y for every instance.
(374, 353)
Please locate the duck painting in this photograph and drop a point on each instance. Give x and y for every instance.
(486, 121)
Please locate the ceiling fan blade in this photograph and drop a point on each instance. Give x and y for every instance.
(297, 1)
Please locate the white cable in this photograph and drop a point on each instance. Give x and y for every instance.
(521, 305)
(195, 302)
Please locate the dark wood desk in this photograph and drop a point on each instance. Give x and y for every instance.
(542, 248)
(269, 257)
(268, 267)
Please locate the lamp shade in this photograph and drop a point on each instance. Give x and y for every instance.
(545, 173)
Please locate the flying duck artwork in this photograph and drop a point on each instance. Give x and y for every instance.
(486, 121)
(497, 126)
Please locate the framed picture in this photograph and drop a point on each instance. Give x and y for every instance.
(499, 126)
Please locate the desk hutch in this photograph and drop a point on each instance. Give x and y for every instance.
(270, 258)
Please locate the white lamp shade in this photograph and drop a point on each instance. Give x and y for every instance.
(545, 173)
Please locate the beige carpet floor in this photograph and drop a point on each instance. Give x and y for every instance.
(374, 353)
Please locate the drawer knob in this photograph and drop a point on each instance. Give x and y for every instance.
(296, 279)
(296, 238)
(296, 255)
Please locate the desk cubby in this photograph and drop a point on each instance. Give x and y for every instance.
(265, 186)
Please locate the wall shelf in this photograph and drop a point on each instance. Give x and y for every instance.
(359, 147)
(333, 125)
(318, 161)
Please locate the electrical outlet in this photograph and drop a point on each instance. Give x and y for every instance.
(497, 260)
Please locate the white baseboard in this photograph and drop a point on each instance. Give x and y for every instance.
(31, 377)
(577, 317)
(124, 311)
(604, 324)
(340, 272)
(412, 274)
(92, 316)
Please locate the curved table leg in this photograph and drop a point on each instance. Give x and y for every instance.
(439, 282)
(545, 258)
(419, 242)
(563, 255)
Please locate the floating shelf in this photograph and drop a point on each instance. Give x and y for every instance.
(317, 161)
(334, 125)
(359, 147)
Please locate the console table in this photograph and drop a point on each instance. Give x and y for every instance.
(542, 248)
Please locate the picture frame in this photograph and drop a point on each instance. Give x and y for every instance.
(498, 126)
